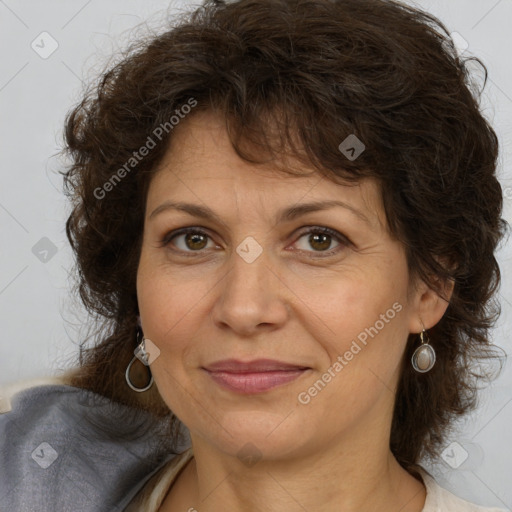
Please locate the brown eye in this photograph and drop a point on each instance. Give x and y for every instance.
(187, 240)
(321, 239)
(195, 241)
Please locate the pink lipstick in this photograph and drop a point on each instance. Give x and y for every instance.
(254, 376)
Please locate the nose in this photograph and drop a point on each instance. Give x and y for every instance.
(252, 297)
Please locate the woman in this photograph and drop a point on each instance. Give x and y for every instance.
(286, 212)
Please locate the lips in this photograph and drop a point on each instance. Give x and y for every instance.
(256, 366)
(255, 376)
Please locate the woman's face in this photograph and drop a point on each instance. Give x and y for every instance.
(255, 283)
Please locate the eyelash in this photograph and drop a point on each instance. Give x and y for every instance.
(343, 241)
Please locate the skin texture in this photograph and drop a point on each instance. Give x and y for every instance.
(202, 302)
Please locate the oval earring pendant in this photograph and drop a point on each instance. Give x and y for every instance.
(424, 358)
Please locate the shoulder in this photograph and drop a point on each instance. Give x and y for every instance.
(8, 391)
(154, 492)
(64, 448)
(440, 499)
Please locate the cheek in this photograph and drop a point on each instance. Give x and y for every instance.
(349, 303)
(163, 303)
(366, 319)
(159, 293)
(173, 311)
(364, 348)
(167, 320)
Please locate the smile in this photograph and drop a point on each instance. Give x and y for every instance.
(255, 382)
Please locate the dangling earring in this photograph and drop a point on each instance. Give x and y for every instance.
(143, 356)
(424, 356)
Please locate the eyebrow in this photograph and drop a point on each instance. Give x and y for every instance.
(286, 214)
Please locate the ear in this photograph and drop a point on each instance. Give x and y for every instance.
(427, 305)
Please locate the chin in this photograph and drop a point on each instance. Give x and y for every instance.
(257, 435)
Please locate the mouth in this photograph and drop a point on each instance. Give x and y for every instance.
(254, 376)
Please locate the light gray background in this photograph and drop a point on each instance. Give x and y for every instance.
(40, 327)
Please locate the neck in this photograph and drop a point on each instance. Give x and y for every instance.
(351, 476)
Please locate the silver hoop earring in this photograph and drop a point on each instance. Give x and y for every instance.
(424, 356)
(143, 356)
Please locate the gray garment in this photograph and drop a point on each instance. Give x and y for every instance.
(67, 449)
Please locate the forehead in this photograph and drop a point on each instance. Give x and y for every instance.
(200, 165)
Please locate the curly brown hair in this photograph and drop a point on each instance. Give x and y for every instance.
(318, 71)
